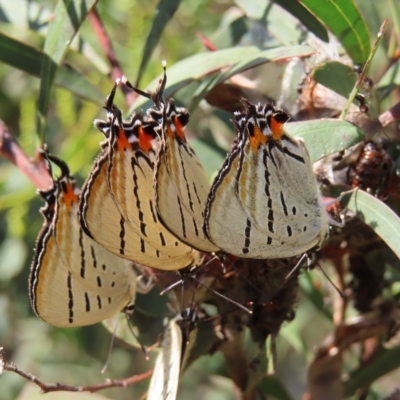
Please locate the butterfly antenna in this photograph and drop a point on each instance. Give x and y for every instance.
(192, 273)
(146, 355)
(341, 294)
(222, 296)
(111, 345)
(110, 99)
(182, 296)
(155, 96)
(294, 269)
(191, 276)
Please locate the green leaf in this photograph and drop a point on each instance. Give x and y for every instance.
(305, 17)
(68, 17)
(382, 363)
(336, 76)
(203, 64)
(164, 12)
(152, 303)
(344, 20)
(270, 385)
(233, 28)
(29, 59)
(210, 158)
(377, 215)
(325, 136)
(280, 24)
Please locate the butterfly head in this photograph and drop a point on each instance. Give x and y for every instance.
(64, 186)
(260, 123)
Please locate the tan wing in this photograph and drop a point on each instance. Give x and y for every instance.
(73, 280)
(267, 193)
(181, 183)
(117, 203)
(165, 379)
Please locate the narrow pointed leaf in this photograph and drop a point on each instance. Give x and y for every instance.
(325, 136)
(203, 64)
(336, 76)
(377, 215)
(163, 14)
(344, 20)
(68, 17)
(29, 59)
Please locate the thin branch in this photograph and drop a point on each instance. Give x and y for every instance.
(35, 170)
(46, 387)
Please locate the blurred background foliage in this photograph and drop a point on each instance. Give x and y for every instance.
(75, 356)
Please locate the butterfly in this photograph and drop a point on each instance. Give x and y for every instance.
(181, 183)
(117, 204)
(178, 339)
(264, 202)
(74, 281)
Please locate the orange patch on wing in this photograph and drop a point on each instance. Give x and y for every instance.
(145, 140)
(257, 138)
(179, 128)
(122, 141)
(276, 128)
(69, 196)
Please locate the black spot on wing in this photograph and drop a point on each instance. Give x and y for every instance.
(70, 299)
(153, 211)
(196, 231)
(87, 302)
(195, 192)
(182, 217)
(271, 220)
(83, 264)
(162, 238)
(293, 155)
(247, 233)
(185, 178)
(283, 203)
(122, 236)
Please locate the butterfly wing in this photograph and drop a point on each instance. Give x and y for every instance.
(179, 338)
(267, 191)
(165, 379)
(181, 183)
(117, 207)
(73, 280)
